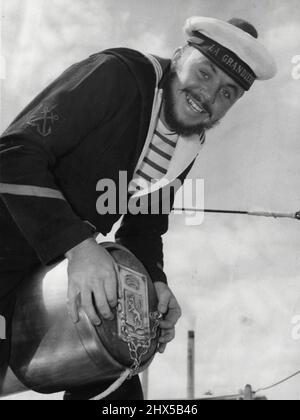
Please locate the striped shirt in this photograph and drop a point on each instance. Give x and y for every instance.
(157, 160)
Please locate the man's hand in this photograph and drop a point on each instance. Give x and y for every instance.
(92, 282)
(169, 307)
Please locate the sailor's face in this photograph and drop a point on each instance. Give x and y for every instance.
(200, 93)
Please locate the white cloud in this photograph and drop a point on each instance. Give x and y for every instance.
(152, 43)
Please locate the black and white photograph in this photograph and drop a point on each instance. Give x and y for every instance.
(149, 202)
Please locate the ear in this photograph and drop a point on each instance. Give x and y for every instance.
(177, 55)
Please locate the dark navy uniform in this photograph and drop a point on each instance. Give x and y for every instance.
(88, 125)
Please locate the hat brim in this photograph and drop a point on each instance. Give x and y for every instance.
(245, 46)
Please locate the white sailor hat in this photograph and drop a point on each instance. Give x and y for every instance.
(233, 46)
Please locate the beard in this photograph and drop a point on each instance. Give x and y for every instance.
(170, 115)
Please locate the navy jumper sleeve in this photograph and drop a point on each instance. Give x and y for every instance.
(54, 123)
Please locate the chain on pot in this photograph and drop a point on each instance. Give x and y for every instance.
(139, 347)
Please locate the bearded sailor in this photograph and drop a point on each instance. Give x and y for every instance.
(118, 110)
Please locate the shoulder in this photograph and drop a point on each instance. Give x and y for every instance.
(99, 62)
(137, 63)
(145, 67)
(99, 72)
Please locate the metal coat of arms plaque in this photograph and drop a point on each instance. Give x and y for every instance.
(133, 314)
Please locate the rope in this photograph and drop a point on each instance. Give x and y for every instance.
(223, 397)
(278, 383)
(233, 396)
(114, 387)
(119, 382)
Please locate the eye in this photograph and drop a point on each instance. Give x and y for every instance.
(205, 75)
(226, 93)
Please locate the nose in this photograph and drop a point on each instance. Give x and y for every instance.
(209, 94)
(211, 89)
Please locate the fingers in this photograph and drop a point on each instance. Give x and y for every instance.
(91, 302)
(173, 315)
(171, 309)
(167, 336)
(164, 300)
(171, 319)
(110, 289)
(101, 303)
(88, 306)
(105, 295)
(72, 306)
(162, 348)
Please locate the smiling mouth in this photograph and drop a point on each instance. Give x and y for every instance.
(195, 106)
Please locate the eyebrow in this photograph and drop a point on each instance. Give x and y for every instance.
(212, 66)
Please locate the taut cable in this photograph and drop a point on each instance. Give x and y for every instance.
(275, 215)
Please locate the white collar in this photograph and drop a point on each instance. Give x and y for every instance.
(186, 150)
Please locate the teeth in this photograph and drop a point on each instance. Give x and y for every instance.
(193, 105)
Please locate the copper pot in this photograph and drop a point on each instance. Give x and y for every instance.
(51, 354)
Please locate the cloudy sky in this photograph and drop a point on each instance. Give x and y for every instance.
(237, 278)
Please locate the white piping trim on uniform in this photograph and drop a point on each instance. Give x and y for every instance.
(157, 67)
(31, 191)
(153, 122)
(157, 101)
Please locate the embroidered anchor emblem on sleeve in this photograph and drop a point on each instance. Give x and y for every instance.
(44, 120)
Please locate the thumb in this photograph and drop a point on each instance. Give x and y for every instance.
(163, 304)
